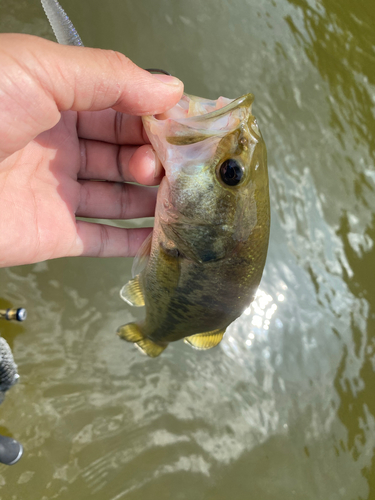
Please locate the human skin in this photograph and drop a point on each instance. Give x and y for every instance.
(70, 117)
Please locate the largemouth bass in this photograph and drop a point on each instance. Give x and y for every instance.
(204, 260)
(201, 266)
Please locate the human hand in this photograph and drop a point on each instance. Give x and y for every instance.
(69, 116)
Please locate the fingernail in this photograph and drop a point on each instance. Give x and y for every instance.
(168, 80)
(154, 161)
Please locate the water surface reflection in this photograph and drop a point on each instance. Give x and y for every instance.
(284, 408)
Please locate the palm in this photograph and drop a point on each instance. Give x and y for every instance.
(51, 175)
(46, 180)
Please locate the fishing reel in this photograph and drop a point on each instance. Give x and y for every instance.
(19, 314)
(10, 449)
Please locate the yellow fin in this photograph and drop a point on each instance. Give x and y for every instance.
(132, 293)
(132, 333)
(149, 347)
(206, 340)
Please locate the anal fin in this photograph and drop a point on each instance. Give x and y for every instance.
(132, 333)
(132, 293)
(206, 340)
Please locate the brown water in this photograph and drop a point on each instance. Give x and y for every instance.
(285, 407)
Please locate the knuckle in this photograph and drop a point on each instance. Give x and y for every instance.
(118, 126)
(103, 240)
(117, 57)
(124, 201)
(84, 198)
(83, 157)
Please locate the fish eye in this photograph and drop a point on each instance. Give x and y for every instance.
(231, 172)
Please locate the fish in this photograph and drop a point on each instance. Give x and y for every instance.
(201, 266)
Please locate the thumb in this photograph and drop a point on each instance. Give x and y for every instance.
(39, 79)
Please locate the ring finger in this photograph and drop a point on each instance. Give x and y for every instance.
(114, 200)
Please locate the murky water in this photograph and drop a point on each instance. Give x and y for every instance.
(285, 407)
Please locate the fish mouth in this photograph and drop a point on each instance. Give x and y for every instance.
(244, 101)
(196, 122)
(191, 108)
(194, 119)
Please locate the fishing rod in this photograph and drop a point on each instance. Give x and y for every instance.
(65, 32)
(10, 449)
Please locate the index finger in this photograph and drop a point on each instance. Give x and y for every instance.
(112, 126)
(39, 79)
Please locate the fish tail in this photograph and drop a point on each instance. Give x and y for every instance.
(132, 333)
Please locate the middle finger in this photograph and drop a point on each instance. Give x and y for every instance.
(110, 162)
(111, 126)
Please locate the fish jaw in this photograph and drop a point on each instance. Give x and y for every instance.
(196, 124)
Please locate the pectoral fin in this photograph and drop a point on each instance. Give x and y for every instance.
(132, 293)
(132, 333)
(142, 256)
(205, 341)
